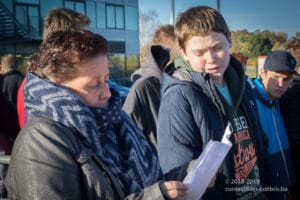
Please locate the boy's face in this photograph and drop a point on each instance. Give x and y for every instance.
(208, 53)
(275, 83)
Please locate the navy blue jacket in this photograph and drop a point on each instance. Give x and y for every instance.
(290, 110)
(192, 105)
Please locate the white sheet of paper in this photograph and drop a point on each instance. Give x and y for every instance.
(207, 166)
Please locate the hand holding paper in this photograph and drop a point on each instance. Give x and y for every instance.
(207, 165)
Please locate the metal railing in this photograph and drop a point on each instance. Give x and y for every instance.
(10, 26)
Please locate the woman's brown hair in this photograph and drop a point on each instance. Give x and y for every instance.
(58, 55)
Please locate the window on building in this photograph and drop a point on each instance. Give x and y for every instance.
(114, 16)
(117, 67)
(131, 18)
(132, 61)
(121, 66)
(132, 64)
(91, 13)
(28, 1)
(78, 6)
(117, 46)
(96, 12)
(28, 16)
(101, 22)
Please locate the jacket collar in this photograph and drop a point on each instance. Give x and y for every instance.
(261, 94)
(156, 59)
(234, 76)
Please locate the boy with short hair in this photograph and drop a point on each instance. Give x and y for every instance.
(275, 78)
(207, 90)
(64, 19)
(12, 77)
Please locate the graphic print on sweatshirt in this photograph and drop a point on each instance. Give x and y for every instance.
(247, 180)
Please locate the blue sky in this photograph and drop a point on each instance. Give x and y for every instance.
(277, 16)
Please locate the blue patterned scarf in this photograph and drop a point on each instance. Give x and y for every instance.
(108, 131)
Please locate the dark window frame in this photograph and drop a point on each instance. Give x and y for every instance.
(115, 14)
(97, 21)
(27, 5)
(74, 3)
(18, 2)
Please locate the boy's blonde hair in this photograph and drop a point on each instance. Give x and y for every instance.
(60, 19)
(199, 20)
(164, 36)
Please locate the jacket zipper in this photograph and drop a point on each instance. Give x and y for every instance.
(279, 143)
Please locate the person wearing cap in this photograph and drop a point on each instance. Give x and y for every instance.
(275, 78)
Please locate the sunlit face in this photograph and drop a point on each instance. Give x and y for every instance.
(275, 83)
(208, 53)
(91, 84)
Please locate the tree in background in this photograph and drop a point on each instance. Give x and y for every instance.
(257, 43)
(251, 44)
(241, 42)
(260, 45)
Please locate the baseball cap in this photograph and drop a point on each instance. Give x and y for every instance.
(280, 60)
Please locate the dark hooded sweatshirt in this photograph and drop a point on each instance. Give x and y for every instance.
(11, 83)
(142, 102)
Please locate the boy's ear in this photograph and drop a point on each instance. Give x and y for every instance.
(262, 73)
(183, 54)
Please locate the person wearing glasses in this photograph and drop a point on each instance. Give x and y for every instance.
(275, 78)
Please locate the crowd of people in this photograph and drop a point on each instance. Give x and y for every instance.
(70, 136)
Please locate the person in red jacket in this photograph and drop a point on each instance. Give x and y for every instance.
(22, 117)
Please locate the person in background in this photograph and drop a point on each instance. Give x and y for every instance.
(241, 57)
(79, 144)
(9, 128)
(64, 19)
(275, 77)
(12, 77)
(56, 19)
(208, 90)
(136, 75)
(290, 110)
(163, 36)
(142, 102)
